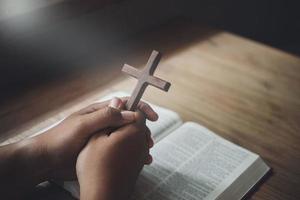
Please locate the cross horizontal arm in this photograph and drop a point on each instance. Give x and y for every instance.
(159, 83)
(131, 71)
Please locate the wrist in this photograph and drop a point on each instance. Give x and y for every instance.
(33, 159)
(20, 169)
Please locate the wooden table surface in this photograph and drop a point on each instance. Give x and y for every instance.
(244, 91)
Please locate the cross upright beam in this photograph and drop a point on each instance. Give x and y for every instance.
(145, 77)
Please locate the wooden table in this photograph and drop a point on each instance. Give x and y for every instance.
(246, 92)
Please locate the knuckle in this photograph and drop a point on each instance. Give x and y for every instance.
(93, 107)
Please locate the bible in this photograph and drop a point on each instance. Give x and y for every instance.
(191, 162)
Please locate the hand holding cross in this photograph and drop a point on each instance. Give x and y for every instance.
(145, 77)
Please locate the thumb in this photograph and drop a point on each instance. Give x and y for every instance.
(105, 118)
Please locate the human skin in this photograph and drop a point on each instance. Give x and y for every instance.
(107, 168)
(58, 153)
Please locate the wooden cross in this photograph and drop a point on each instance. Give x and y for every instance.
(145, 77)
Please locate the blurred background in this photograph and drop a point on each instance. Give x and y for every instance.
(45, 40)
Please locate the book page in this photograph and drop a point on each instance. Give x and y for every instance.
(246, 181)
(192, 163)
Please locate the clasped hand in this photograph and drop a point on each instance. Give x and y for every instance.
(102, 146)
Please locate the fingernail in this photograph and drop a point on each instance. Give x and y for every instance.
(128, 116)
(115, 103)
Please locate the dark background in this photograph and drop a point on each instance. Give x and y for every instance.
(50, 42)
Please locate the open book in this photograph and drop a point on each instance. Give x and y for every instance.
(190, 162)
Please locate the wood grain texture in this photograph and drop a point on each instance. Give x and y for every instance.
(244, 91)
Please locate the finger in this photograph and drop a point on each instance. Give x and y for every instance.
(149, 138)
(134, 135)
(92, 108)
(105, 118)
(114, 102)
(149, 112)
(149, 160)
(140, 117)
(145, 108)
